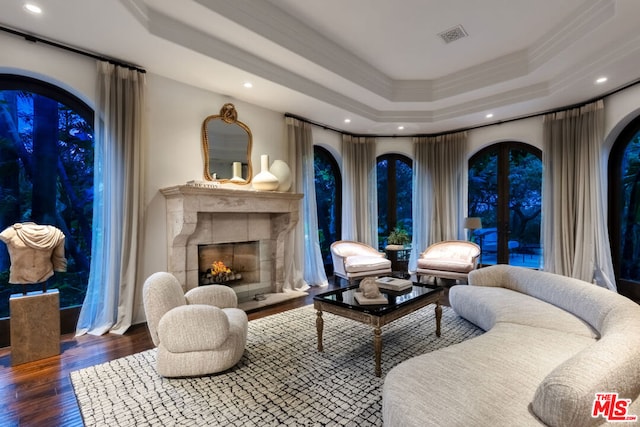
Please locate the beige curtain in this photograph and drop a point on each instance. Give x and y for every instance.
(575, 236)
(119, 137)
(359, 190)
(439, 190)
(304, 264)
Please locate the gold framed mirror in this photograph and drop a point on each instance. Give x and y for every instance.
(226, 146)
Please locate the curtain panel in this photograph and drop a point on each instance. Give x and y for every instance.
(575, 236)
(306, 244)
(360, 190)
(439, 191)
(117, 206)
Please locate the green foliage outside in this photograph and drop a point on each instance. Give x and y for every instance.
(327, 188)
(524, 198)
(394, 204)
(46, 176)
(630, 227)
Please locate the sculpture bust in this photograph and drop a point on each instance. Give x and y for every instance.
(35, 251)
(369, 287)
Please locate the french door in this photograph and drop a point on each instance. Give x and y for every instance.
(505, 192)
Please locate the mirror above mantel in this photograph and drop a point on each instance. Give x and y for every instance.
(226, 146)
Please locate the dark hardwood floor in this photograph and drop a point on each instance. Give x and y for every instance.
(40, 393)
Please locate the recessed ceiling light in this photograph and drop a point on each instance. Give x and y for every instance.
(248, 85)
(347, 120)
(400, 127)
(30, 7)
(488, 116)
(601, 80)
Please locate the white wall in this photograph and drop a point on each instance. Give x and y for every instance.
(174, 155)
(176, 112)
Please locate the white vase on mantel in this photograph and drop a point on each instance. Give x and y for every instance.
(265, 180)
(282, 171)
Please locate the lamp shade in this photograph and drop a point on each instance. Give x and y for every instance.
(472, 223)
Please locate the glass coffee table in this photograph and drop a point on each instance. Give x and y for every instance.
(342, 302)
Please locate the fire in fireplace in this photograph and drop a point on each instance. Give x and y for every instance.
(230, 264)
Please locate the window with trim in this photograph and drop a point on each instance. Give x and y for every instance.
(328, 185)
(46, 176)
(624, 209)
(505, 192)
(395, 188)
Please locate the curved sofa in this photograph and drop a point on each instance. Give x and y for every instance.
(552, 343)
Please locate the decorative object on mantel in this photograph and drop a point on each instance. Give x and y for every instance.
(265, 180)
(225, 142)
(282, 171)
(219, 273)
(237, 174)
(203, 184)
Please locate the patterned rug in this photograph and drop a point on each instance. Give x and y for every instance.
(281, 380)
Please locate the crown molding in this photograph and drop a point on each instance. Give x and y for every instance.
(262, 17)
(275, 24)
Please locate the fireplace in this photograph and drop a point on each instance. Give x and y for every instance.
(222, 220)
(231, 264)
(238, 265)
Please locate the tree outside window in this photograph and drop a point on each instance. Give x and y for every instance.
(46, 176)
(505, 192)
(328, 185)
(624, 209)
(395, 187)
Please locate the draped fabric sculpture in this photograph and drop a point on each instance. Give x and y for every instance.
(35, 251)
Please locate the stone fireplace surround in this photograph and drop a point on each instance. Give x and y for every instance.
(204, 215)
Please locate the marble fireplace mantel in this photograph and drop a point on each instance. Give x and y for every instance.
(200, 215)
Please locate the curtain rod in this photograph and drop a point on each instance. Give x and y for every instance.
(418, 135)
(36, 39)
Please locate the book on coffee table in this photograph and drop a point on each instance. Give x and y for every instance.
(393, 283)
(362, 300)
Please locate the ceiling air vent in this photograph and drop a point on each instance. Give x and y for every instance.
(453, 34)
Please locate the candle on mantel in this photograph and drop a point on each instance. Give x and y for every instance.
(237, 170)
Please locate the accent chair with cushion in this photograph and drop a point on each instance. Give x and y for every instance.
(450, 259)
(353, 260)
(197, 333)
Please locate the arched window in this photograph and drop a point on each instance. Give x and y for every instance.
(624, 209)
(328, 184)
(505, 192)
(46, 176)
(395, 185)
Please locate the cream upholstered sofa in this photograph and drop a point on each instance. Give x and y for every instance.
(449, 259)
(197, 333)
(352, 260)
(552, 343)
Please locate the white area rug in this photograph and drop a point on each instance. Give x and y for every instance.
(281, 380)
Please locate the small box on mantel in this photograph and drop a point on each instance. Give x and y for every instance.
(35, 326)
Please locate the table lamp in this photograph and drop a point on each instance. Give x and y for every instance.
(472, 223)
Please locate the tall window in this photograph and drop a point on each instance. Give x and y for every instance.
(624, 209)
(328, 184)
(505, 191)
(46, 176)
(395, 187)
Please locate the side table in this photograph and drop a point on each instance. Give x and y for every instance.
(399, 257)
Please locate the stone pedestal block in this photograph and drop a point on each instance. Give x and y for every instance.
(35, 326)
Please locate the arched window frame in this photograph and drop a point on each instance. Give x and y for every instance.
(502, 150)
(616, 202)
(13, 82)
(320, 152)
(392, 215)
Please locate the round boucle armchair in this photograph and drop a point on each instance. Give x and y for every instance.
(197, 333)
